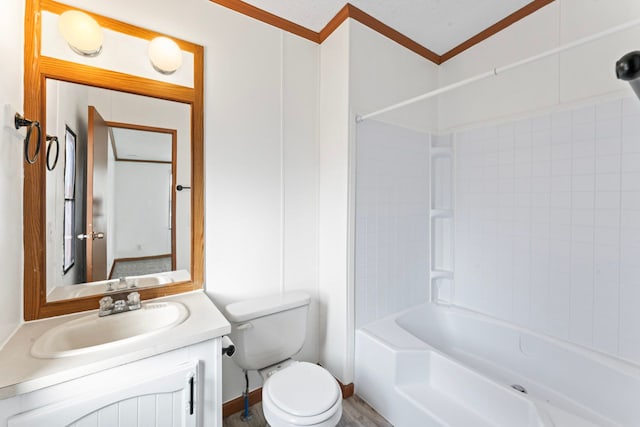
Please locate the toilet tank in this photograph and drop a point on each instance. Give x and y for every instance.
(268, 330)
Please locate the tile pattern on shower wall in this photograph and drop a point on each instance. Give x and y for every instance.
(548, 224)
(392, 220)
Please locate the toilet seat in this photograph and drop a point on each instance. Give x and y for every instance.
(302, 394)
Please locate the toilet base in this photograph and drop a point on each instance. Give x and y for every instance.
(277, 417)
(276, 421)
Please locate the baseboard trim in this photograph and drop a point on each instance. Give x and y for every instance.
(347, 390)
(237, 404)
(255, 396)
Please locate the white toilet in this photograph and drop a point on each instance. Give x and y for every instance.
(267, 332)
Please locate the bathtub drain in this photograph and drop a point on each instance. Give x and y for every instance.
(519, 388)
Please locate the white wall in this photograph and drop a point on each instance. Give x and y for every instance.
(383, 73)
(66, 106)
(392, 220)
(300, 177)
(334, 281)
(261, 169)
(11, 167)
(141, 206)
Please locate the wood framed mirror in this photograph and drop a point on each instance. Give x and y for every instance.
(44, 71)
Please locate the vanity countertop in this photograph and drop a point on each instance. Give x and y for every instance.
(20, 372)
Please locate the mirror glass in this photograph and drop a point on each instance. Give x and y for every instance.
(115, 216)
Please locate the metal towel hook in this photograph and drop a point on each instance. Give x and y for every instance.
(51, 140)
(20, 122)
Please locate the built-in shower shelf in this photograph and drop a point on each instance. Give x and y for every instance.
(441, 213)
(441, 151)
(441, 218)
(441, 274)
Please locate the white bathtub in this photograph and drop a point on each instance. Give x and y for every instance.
(444, 366)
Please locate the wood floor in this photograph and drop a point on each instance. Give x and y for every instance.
(355, 413)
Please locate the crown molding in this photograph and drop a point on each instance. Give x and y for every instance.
(382, 28)
(350, 11)
(334, 23)
(269, 18)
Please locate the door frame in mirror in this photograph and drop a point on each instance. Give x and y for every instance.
(38, 68)
(174, 166)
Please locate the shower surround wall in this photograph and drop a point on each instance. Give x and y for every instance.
(392, 220)
(548, 224)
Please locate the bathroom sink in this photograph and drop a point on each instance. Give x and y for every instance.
(91, 333)
(150, 280)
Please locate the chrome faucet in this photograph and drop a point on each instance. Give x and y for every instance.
(121, 283)
(108, 306)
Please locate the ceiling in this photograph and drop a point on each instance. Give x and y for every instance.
(438, 25)
(142, 145)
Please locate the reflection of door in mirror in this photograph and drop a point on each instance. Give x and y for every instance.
(131, 151)
(143, 230)
(96, 199)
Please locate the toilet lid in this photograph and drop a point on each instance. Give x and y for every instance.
(303, 389)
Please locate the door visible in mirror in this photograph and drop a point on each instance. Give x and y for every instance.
(130, 225)
(98, 204)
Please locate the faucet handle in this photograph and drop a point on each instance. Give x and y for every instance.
(106, 304)
(133, 300)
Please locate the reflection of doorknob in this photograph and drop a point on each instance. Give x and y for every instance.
(94, 236)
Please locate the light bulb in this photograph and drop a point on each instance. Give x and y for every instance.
(165, 55)
(81, 32)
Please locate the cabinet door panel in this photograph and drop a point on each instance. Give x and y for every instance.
(164, 410)
(108, 416)
(90, 420)
(128, 413)
(134, 405)
(147, 410)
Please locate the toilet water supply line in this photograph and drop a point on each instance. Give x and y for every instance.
(498, 70)
(246, 415)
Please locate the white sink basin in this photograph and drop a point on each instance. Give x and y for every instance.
(150, 280)
(92, 333)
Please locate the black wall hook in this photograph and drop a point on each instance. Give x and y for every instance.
(182, 187)
(19, 122)
(51, 140)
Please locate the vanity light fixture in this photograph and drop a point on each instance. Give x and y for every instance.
(81, 32)
(165, 55)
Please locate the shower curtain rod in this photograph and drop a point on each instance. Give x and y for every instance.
(498, 70)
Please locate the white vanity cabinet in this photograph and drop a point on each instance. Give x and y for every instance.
(178, 388)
